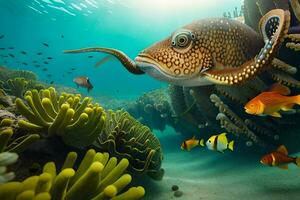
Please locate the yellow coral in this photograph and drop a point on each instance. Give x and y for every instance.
(18, 144)
(96, 178)
(77, 121)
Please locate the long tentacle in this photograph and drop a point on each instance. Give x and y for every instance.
(128, 63)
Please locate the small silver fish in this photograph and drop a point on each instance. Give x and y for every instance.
(83, 81)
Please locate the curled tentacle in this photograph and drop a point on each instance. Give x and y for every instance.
(273, 27)
(128, 63)
(296, 8)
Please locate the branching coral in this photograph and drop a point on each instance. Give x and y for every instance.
(124, 137)
(284, 78)
(232, 122)
(14, 144)
(76, 121)
(98, 177)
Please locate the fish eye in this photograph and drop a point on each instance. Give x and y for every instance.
(193, 36)
(182, 39)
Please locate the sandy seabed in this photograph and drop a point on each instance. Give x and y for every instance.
(202, 174)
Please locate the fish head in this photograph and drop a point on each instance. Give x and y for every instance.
(210, 142)
(254, 107)
(177, 59)
(183, 146)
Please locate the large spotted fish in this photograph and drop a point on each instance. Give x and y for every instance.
(209, 51)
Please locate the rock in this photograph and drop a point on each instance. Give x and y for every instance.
(178, 193)
(175, 187)
(6, 114)
(6, 101)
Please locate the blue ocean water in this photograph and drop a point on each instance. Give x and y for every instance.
(128, 25)
(51, 26)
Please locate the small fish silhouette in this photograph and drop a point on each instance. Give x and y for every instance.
(23, 52)
(103, 60)
(90, 57)
(24, 63)
(49, 58)
(2, 48)
(2, 36)
(45, 44)
(45, 69)
(11, 48)
(11, 55)
(39, 53)
(46, 62)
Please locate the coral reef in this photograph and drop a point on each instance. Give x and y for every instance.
(77, 121)
(15, 87)
(124, 137)
(154, 107)
(97, 177)
(232, 122)
(6, 74)
(14, 144)
(16, 82)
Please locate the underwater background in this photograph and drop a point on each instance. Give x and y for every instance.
(129, 136)
(127, 25)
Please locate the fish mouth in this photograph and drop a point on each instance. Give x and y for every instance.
(249, 111)
(148, 64)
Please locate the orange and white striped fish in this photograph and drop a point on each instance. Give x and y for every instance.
(191, 143)
(280, 158)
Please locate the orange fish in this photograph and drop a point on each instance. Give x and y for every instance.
(272, 101)
(191, 143)
(280, 158)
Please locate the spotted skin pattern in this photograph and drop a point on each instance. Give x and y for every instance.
(210, 51)
(222, 42)
(225, 48)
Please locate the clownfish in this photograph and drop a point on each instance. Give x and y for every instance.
(191, 143)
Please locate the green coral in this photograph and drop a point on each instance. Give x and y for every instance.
(6, 73)
(75, 120)
(125, 137)
(14, 144)
(97, 177)
(15, 87)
